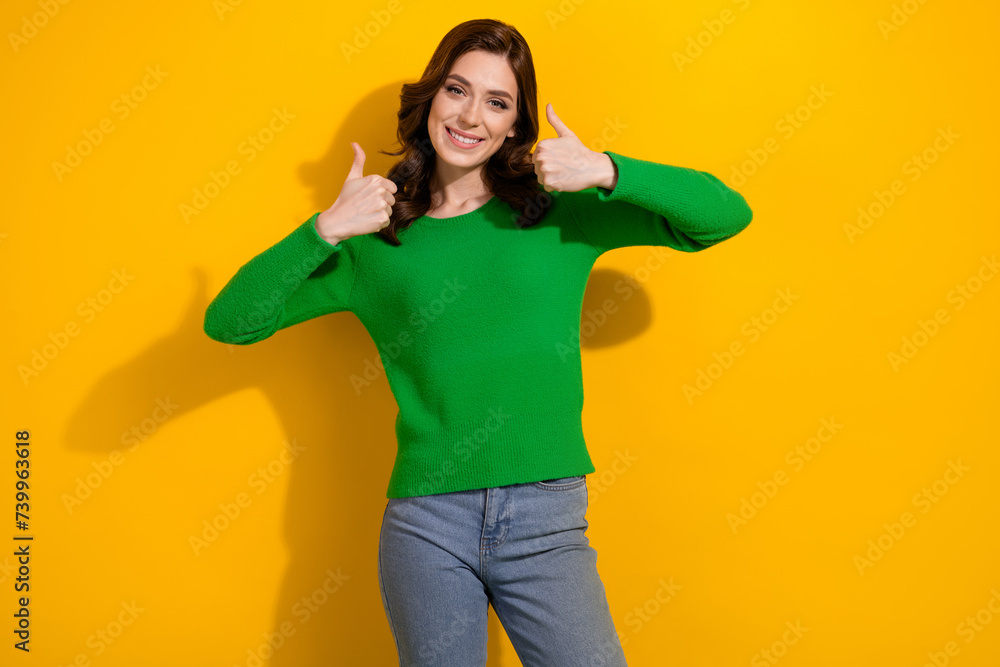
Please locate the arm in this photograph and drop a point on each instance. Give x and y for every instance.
(657, 204)
(301, 277)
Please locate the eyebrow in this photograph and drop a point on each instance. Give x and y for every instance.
(463, 80)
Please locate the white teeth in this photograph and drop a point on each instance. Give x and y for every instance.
(464, 140)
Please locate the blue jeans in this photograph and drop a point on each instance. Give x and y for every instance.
(444, 558)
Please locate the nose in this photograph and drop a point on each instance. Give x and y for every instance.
(470, 114)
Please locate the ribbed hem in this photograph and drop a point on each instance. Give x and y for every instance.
(497, 450)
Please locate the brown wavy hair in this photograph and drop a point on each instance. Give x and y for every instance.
(509, 173)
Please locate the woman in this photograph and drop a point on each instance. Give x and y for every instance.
(468, 265)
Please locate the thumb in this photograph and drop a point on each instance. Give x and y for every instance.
(556, 122)
(358, 164)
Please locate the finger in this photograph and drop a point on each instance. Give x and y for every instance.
(359, 162)
(556, 122)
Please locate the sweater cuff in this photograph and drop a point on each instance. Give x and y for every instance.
(621, 191)
(317, 240)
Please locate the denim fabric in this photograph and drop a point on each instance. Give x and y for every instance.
(444, 558)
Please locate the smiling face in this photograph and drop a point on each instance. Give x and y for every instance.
(478, 99)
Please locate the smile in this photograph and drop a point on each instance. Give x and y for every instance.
(463, 142)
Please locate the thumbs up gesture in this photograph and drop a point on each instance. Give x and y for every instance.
(363, 206)
(566, 165)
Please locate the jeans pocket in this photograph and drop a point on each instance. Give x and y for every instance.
(562, 483)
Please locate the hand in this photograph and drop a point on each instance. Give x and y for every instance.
(363, 206)
(565, 164)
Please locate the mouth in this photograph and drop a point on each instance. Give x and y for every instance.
(461, 140)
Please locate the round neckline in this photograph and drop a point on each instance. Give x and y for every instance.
(428, 220)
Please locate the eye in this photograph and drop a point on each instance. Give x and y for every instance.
(498, 101)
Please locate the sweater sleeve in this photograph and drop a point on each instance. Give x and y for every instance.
(661, 205)
(301, 277)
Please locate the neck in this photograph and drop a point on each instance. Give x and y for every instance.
(454, 187)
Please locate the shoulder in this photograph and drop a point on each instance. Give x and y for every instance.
(562, 209)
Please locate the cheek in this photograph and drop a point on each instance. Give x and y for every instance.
(437, 108)
(499, 130)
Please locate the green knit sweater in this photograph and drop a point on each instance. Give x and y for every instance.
(476, 321)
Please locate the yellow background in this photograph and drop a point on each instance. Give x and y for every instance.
(663, 513)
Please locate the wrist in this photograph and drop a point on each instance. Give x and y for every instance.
(322, 226)
(607, 172)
